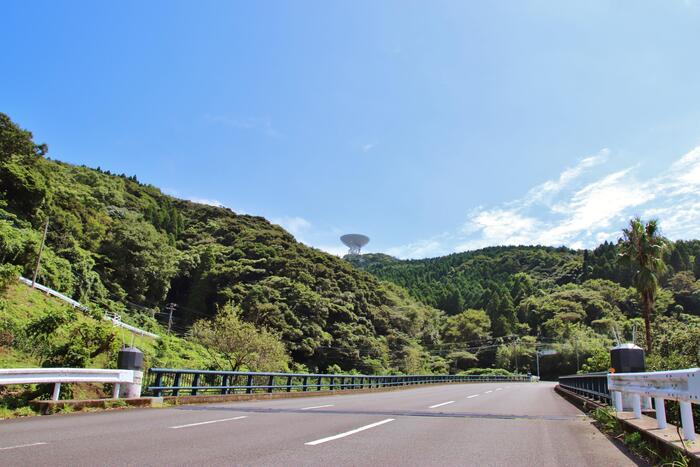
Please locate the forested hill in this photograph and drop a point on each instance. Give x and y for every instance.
(461, 280)
(121, 245)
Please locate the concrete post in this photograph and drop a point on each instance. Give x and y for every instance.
(627, 358)
(617, 401)
(660, 412)
(636, 405)
(132, 390)
(687, 421)
(56, 391)
(131, 358)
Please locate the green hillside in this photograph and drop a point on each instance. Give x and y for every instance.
(120, 245)
(573, 300)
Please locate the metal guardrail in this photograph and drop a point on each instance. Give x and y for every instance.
(117, 321)
(166, 381)
(56, 376)
(593, 385)
(678, 385)
(54, 293)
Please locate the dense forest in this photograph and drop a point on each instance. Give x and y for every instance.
(575, 302)
(119, 245)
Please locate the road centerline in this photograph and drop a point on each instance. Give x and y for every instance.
(440, 405)
(473, 395)
(22, 446)
(348, 433)
(176, 427)
(317, 407)
(488, 392)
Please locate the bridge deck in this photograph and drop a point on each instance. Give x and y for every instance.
(466, 424)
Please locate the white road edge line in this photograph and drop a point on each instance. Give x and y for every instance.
(473, 395)
(22, 446)
(440, 405)
(348, 433)
(317, 407)
(488, 392)
(207, 423)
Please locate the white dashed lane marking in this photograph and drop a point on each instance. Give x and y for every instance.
(440, 405)
(348, 433)
(22, 446)
(208, 422)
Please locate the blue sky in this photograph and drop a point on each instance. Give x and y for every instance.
(432, 127)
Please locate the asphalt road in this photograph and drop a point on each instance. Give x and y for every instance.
(464, 424)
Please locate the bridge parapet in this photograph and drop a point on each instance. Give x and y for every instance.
(682, 386)
(175, 382)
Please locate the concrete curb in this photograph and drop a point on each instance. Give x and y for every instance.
(50, 407)
(666, 440)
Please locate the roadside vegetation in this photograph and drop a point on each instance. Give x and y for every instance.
(231, 291)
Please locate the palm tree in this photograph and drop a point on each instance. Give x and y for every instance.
(642, 248)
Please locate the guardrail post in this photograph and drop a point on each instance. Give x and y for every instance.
(56, 391)
(617, 401)
(115, 391)
(331, 383)
(289, 384)
(159, 383)
(224, 383)
(660, 412)
(305, 384)
(320, 383)
(176, 384)
(249, 385)
(636, 405)
(687, 420)
(270, 383)
(195, 383)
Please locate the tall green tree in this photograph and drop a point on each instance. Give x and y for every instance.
(642, 248)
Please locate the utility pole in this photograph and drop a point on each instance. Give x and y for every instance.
(170, 307)
(41, 249)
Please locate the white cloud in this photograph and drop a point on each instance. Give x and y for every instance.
(293, 224)
(551, 187)
(367, 147)
(420, 249)
(207, 201)
(582, 212)
(333, 249)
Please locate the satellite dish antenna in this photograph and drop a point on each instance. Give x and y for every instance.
(354, 242)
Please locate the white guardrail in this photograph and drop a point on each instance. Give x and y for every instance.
(112, 317)
(678, 385)
(53, 293)
(56, 376)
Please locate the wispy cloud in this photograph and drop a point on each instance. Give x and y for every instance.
(580, 209)
(421, 249)
(259, 124)
(544, 191)
(293, 224)
(201, 200)
(368, 147)
(210, 202)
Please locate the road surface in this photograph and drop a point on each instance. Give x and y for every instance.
(457, 424)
